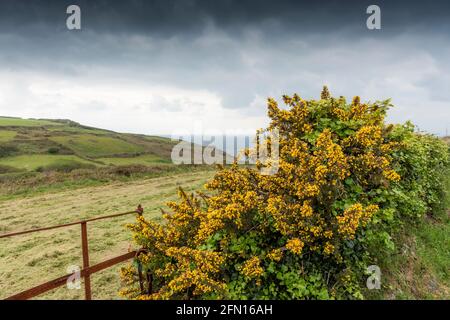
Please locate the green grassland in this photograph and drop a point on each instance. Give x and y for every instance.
(34, 145)
(7, 135)
(34, 161)
(146, 159)
(18, 122)
(61, 130)
(93, 146)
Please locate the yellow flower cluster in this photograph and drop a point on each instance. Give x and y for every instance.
(332, 157)
(197, 279)
(206, 264)
(307, 128)
(328, 234)
(145, 258)
(364, 164)
(390, 146)
(128, 273)
(295, 245)
(207, 261)
(325, 94)
(252, 268)
(369, 136)
(290, 219)
(221, 211)
(275, 255)
(328, 248)
(340, 113)
(353, 217)
(358, 110)
(391, 175)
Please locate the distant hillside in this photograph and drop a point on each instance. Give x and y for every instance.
(44, 144)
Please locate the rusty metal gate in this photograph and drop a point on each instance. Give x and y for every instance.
(87, 269)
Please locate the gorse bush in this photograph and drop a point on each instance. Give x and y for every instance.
(345, 182)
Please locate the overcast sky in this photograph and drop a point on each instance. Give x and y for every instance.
(159, 66)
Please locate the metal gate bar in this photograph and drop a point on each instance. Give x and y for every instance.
(86, 271)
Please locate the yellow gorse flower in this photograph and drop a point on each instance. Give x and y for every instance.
(275, 255)
(353, 217)
(328, 248)
(252, 268)
(295, 245)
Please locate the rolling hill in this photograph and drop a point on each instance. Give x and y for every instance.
(64, 145)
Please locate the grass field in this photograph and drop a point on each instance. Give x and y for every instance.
(7, 135)
(97, 146)
(34, 161)
(147, 159)
(29, 260)
(30, 145)
(64, 129)
(13, 122)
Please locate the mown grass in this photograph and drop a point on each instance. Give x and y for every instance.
(31, 259)
(19, 185)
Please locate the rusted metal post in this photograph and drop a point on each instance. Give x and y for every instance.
(139, 210)
(85, 250)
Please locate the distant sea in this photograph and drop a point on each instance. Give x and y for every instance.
(232, 145)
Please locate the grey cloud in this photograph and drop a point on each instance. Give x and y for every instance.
(172, 17)
(242, 51)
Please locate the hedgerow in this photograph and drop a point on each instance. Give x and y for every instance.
(346, 182)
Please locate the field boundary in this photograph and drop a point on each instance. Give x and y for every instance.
(87, 269)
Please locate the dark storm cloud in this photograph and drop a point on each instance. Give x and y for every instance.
(241, 51)
(170, 17)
